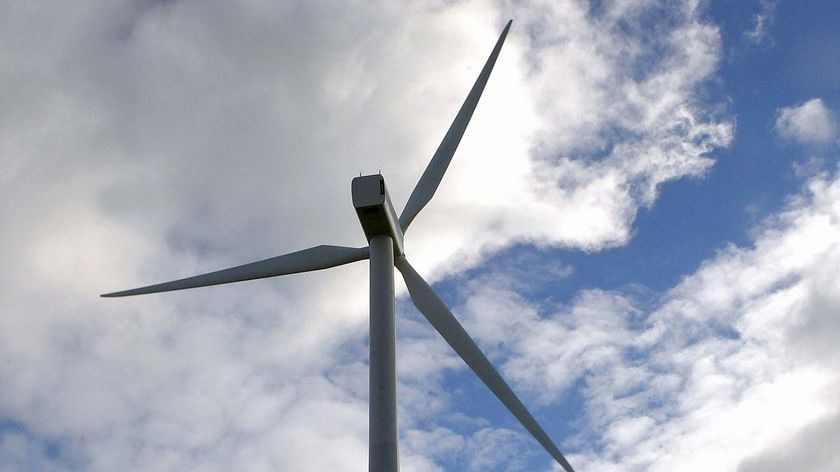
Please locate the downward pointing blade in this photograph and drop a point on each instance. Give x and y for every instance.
(314, 258)
(448, 326)
(430, 180)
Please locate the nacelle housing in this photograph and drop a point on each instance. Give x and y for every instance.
(375, 211)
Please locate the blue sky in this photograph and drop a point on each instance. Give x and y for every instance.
(640, 228)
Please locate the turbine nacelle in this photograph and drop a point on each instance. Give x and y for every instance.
(375, 211)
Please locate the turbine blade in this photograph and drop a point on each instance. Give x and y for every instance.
(431, 306)
(429, 181)
(314, 258)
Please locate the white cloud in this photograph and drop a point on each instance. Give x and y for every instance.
(731, 367)
(812, 448)
(810, 122)
(143, 141)
(761, 23)
(495, 449)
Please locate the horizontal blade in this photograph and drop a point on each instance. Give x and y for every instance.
(315, 258)
(431, 306)
(430, 180)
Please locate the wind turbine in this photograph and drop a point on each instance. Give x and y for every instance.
(384, 232)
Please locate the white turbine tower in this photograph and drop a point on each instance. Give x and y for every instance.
(384, 232)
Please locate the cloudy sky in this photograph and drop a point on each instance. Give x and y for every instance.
(641, 228)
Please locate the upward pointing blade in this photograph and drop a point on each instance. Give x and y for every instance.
(429, 181)
(448, 326)
(314, 258)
